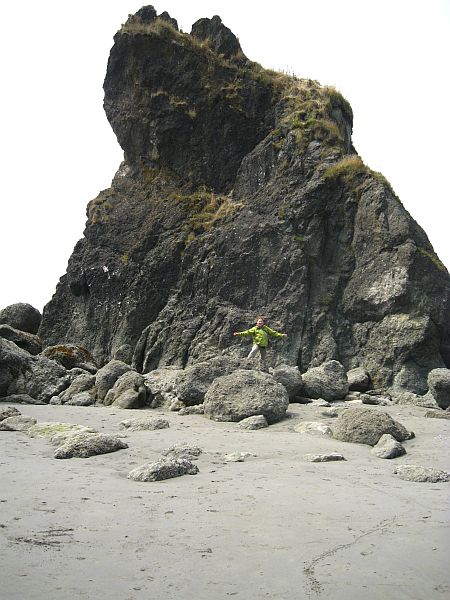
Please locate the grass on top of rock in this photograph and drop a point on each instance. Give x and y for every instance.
(352, 171)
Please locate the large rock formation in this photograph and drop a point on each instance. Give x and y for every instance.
(241, 193)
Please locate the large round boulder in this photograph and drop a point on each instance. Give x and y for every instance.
(128, 391)
(193, 383)
(367, 426)
(291, 378)
(244, 394)
(439, 386)
(21, 316)
(358, 380)
(107, 376)
(328, 381)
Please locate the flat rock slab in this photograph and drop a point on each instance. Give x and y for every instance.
(142, 424)
(17, 423)
(331, 457)
(421, 474)
(182, 451)
(165, 468)
(85, 445)
(236, 456)
(313, 428)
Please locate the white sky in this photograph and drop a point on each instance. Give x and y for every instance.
(389, 58)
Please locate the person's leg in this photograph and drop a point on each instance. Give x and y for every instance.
(253, 351)
(263, 358)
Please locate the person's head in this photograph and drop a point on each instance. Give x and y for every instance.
(259, 321)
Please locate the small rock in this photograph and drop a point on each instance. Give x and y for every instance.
(182, 451)
(388, 447)
(8, 411)
(332, 456)
(177, 405)
(81, 399)
(84, 445)
(144, 424)
(376, 400)
(313, 428)
(256, 422)
(437, 414)
(421, 474)
(320, 402)
(196, 409)
(165, 468)
(236, 456)
(17, 423)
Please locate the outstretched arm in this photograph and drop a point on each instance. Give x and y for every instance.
(274, 333)
(243, 333)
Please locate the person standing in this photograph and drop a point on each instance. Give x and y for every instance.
(260, 336)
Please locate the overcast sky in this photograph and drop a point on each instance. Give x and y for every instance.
(389, 58)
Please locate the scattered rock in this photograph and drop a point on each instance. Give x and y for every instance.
(439, 386)
(142, 424)
(81, 399)
(128, 391)
(437, 414)
(8, 411)
(332, 456)
(160, 385)
(245, 394)
(404, 397)
(421, 474)
(375, 400)
(17, 423)
(313, 428)
(81, 383)
(328, 381)
(388, 447)
(21, 316)
(236, 456)
(358, 380)
(57, 433)
(291, 378)
(196, 409)
(256, 422)
(84, 445)
(165, 468)
(366, 426)
(182, 451)
(177, 405)
(320, 402)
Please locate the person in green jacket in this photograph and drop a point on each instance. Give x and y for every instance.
(260, 336)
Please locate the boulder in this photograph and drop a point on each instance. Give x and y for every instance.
(437, 414)
(128, 391)
(193, 383)
(197, 409)
(244, 394)
(71, 356)
(366, 426)
(358, 380)
(421, 474)
(21, 316)
(328, 381)
(57, 433)
(84, 445)
(81, 383)
(81, 399)
(160, 385)
(27, 341)
(22, 399)
(165, 468)
(291, 378)
(107, 376)
(439, 386)
(388, 447)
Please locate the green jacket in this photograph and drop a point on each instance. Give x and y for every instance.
(260, 335)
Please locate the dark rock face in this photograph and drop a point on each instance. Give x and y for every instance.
(241, 194)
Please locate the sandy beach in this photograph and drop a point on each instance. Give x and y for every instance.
(273, 527)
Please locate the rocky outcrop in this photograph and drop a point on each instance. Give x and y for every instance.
(241, 193)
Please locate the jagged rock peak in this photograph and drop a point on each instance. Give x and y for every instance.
(146, 16)
(222, 39)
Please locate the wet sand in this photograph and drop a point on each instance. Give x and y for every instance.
(273, 527)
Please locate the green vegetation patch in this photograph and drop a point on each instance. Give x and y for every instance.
(49, 430)
(434, 259)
